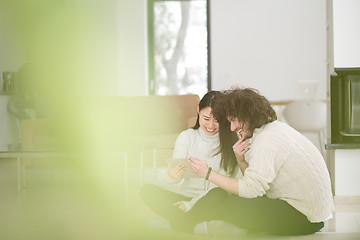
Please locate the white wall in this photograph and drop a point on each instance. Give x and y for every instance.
(115, 34)
(132, 51)
(112, 45)
(11, 56)
(109, 41)
(268, 45)
(346, 33)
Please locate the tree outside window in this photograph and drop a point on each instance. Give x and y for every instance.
(178, 47)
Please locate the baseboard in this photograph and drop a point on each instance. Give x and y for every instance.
(347, 199)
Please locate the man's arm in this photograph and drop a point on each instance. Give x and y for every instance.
(201, 168)
(226, 183)
(243, 165)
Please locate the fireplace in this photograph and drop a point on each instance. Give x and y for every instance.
(345, 106)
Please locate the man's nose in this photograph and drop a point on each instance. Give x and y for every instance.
(232, 126)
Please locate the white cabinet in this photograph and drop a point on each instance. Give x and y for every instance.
(347, 167)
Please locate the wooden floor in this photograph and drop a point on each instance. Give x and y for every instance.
(61, 203)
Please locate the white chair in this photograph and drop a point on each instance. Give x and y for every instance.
(308, 115)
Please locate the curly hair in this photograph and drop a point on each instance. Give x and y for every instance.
(248, 106)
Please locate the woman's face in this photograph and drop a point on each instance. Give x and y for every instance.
(207, 121)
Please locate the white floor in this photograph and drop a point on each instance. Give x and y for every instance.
(70, 204)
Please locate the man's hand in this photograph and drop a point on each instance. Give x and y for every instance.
(200, 167)
(240, 148)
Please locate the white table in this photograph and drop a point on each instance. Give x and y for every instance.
(121, 153)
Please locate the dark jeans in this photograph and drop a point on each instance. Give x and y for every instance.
(259, 214)
(161, 201)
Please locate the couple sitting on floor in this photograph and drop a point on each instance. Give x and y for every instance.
(253, 171)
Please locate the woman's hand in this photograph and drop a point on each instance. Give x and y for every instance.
(176, 172)
(181, 205)
(200, 167)
(241, 147)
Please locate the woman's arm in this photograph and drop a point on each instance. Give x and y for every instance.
(181, 149)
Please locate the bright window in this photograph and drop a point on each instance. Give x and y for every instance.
(178, 47)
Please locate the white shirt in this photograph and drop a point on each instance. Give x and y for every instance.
(196, 143)
(286, 165)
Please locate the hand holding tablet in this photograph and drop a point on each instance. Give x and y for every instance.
(188, 172)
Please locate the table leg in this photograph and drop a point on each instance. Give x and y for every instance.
(23, 176)
(19, 176)
(126, 184)
(154, 165)
(141, 168)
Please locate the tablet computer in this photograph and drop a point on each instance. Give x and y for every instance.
(189, 173)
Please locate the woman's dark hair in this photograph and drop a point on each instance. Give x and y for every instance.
(206, 101)
(248, 106)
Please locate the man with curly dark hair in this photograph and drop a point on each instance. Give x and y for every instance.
(285, 188)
